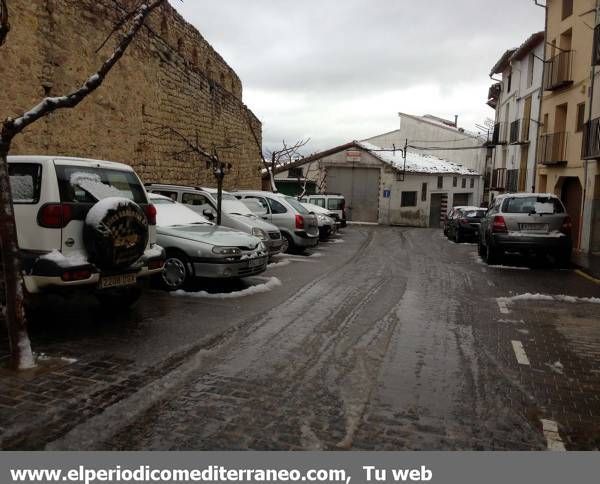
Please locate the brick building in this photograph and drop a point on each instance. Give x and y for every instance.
(170, 76)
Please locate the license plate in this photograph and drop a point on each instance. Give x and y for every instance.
(117, 281)
(255, 262)
(534, 227)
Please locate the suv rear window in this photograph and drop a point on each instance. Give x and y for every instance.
(25, 182)
(475, 213)
(528, 205)
(88, 185)
(335, 203)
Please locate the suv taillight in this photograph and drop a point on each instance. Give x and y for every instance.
(567, 226)
(55, 215)
(499, 224)
(299, 222)
(151, 214)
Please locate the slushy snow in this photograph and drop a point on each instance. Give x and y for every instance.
(269, 284)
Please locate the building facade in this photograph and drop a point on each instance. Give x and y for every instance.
(379, 187)
(516, 100)
(169, 77)
(567, 85)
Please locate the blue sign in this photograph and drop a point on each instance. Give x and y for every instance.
(387, 193)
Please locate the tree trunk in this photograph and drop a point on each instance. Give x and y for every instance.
(20, 346)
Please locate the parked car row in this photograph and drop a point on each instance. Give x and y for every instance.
(91, 225)
(531, 224)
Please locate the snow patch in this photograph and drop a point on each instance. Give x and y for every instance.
(92, 184)
(283, 263)
(549, 297)
(59, 258)
(21, 187)
(556, 367)
(99, 211)
(269, 284)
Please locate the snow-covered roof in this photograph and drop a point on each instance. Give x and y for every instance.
(416, 162)
(526, 195)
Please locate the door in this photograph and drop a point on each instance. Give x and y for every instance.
(360, 188)
(436, 210)
(571, 195)
(461, 200)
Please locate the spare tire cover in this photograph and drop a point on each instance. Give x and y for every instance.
(115, 233)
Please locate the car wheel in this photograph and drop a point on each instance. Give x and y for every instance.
(288, 244)
(492, 255)
(563, 259)
(175, 273)
(481, 249)
(457, 237)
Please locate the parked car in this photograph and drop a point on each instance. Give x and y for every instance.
(298, 226)
(83, 225)
(527, 223)
(234, 214)
(463, 223)
(334, 202)
(328, 226)
(196, 247)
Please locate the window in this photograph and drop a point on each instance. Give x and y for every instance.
(295, 173)
(567, 8)
(464, 183)
(440, 182)
(318, 201)
(472, 182)
(335, 204)
(25, 182)
(509, 83)
(580, 117)
(533, 205)
(262, 201)
(296, 205)
(424, 192)
(195, 199)
(455, 181)
(408, 199)
(276, 207)
(530, 67)
(165, 193)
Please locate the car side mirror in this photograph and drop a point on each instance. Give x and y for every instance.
(208, 213)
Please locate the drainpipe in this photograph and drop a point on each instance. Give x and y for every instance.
(541, 95)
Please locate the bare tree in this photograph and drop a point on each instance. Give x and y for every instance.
(319, 183)
(281, 157)
(22, 356)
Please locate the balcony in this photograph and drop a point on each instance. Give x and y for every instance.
(590, 148)
(514, 132)
(552, 149)
(499, 179)
(494, 95)
(596, 47)
(499, 136)
(557, 71)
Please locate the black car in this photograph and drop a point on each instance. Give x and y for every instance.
(463, 223)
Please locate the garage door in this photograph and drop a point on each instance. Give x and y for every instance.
(461, 200)
(360, 187)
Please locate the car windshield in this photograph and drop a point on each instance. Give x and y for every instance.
(235, 207)
(254, 206)
(173, 214)
(533, 205)
(475, 214)
(296, 205)
(335, 203)
(161, 201)
(88, 185)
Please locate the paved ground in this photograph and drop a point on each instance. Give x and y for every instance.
(390, 338)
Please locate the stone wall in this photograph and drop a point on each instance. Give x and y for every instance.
(170, 76)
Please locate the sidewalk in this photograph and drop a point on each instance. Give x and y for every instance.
(590, 264)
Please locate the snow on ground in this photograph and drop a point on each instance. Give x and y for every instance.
(282, 263)
(266, 284)
(315, 254)
(549, 297)
(556, 367)
(479, 260)
(336, 241)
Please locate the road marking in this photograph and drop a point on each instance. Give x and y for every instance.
(587, 276)
(553, 439)
(520, 353)
(503, 307)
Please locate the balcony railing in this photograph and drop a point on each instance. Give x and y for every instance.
(514, 131)
(499, 179)
(596, 47)
(557, 71)
(499, 136)
(590, 147)
(552, 149)
(494, 95)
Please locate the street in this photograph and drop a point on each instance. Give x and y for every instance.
(382, 339)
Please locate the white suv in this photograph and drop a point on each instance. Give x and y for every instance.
(83, 224)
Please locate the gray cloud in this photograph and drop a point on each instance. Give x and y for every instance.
(340, 70)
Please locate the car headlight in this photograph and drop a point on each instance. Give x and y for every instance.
(322, 218)
(262, 247)
(226, 251)
(260, 233)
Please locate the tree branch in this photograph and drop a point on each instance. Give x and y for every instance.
(12, 127)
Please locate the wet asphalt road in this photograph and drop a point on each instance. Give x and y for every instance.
(388, 339)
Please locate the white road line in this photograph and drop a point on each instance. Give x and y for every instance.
(503, 307)
(553, 439)
(520, 353)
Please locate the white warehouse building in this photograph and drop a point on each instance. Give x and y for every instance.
(379, 187)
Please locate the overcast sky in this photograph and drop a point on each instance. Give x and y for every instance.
(335, 71)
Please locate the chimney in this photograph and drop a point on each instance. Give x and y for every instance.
(456, 120)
